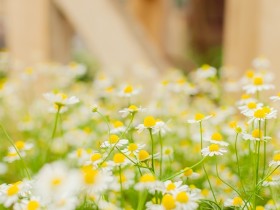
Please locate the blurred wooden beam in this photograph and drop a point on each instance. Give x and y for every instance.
(107, 34)
(251, 29)
(27, 30)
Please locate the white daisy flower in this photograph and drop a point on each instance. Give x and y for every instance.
(161, 127)
(34, 203)
(11, 193)
(213, 150)
(199, 118)
(271, 181)
(249, 108)
(236, 202)
(275, 161)
(132, 109)
(189, 173)
(186, 201)
(174, 187)
(76, 69)
(114, 141)
(95, 181)
(216, 138)
(256, 135)
(149, 123)
(149, 182)
(120, 159)
(55, 181)
(128, 91)
(118, 127)
(60, 99)
(261, 63)
(264, 113)
(133, 149)
(257, 85)
(206, 71)
(80, 155)
(276, 97)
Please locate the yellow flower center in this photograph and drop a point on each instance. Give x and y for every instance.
(20, 144)
(122, 178)
(214, 148)
(167, 151)
(260, 208)
(63, 96)
(251, 105)
(79, 152)
(188, 172)
(171, 186)
(132, 147)
(56, 181)
(276, 157)
(205, 192)
(90, 175)
(266, 109)
(95, 157)
(33, 205)
(143, 155)
(181, 81)
(128, 89)
(182, 197)
(245, 96)
(250, 74)
(113, 139)
(237, 201)
(233, 124)
(147, 178)
(258, 81)
(119, 158)
(205, 67)
(133, 108)
(28, 70)
(199, 116)
(149, 121)
(217, 136)
(168, 202)
(118, 124)
(13, 189)
(256, 133)
(260, 113)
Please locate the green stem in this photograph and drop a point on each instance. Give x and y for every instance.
(161, 151)
(152, 139)
(238, 167)
(53, 133)
(121, 186)
(142, 199)
(182, 171)
(264, 150)
(259, 184)
(258, 143)
(112, 149)
(207, 177)
(16, 149)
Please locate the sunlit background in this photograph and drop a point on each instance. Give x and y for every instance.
(119, 34)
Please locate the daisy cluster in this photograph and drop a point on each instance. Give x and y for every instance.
(105, 143)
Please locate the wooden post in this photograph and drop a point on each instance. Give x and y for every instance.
(27, 30)
(251, 29)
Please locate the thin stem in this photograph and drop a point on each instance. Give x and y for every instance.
(152, 139)
(106, 121)
(142, 199)
(264, 149)
(121, 186)
(112, 149)
(10, 140)
(182, 171)
(238, 167)
(161, 151)
(207, 177)
(229, 185)
(260, 182)
(53, 133)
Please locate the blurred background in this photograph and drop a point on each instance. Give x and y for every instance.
(117, 34)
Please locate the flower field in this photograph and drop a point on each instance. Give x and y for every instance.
(71, 141)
